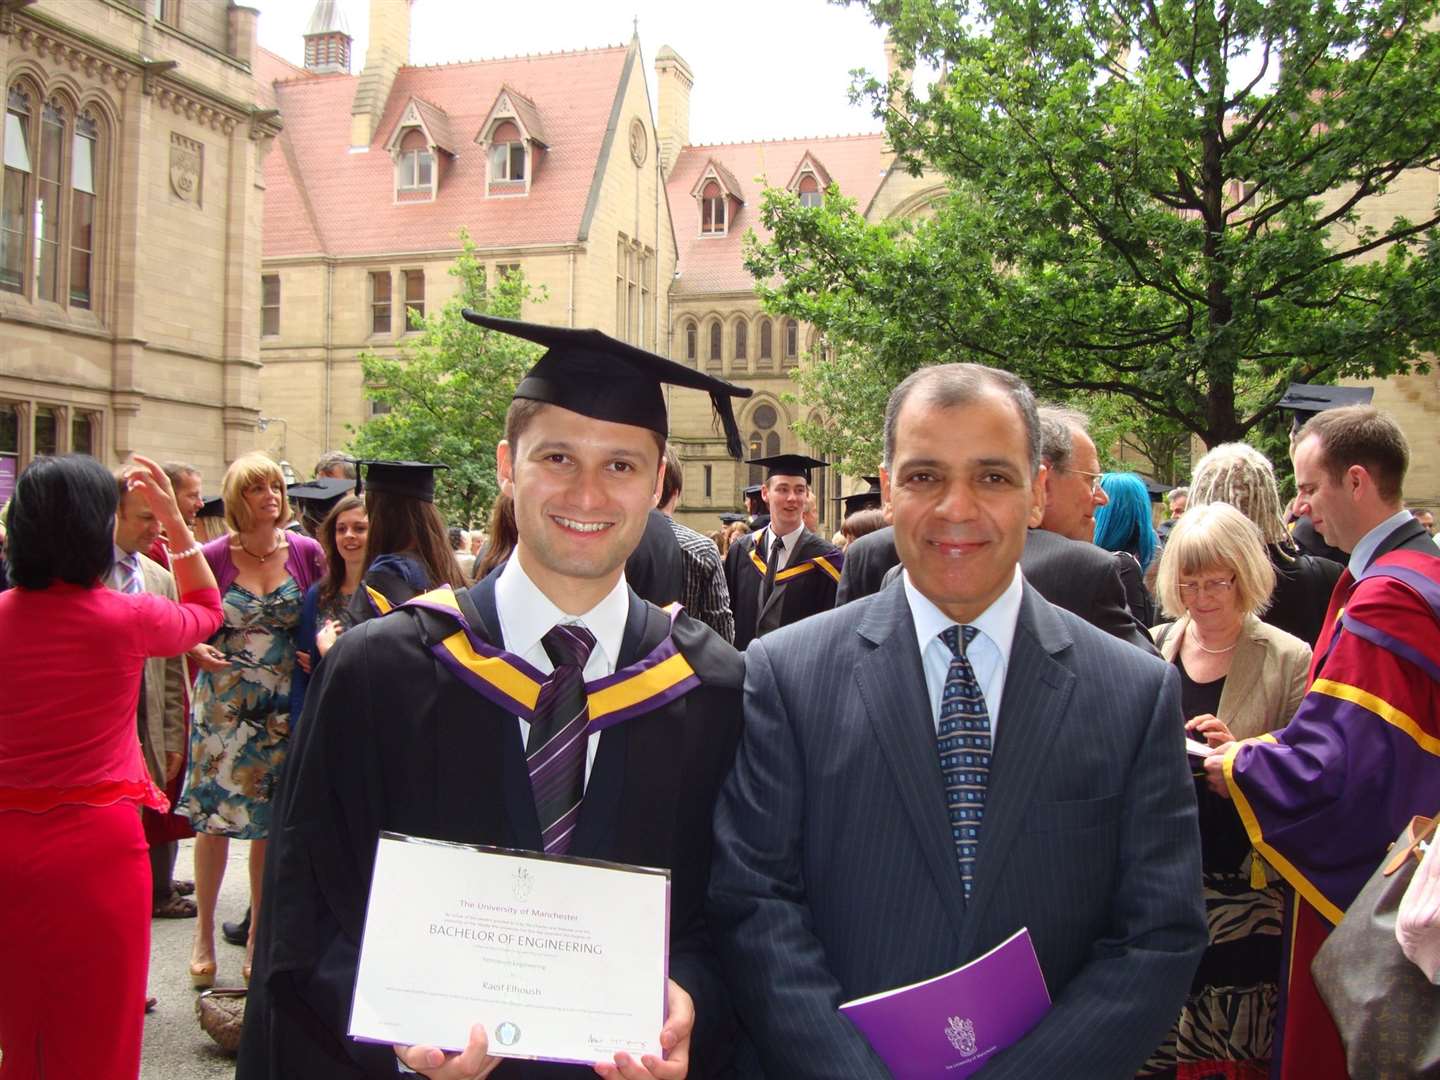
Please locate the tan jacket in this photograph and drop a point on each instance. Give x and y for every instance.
(1266, 680)
(161, 717)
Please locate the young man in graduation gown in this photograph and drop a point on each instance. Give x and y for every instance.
(1323, 797)
(784, 572)
(403, 731)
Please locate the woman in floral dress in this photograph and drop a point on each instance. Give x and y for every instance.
(240, 710)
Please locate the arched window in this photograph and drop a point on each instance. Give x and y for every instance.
(767, 335)
(772, 444)
(415, 167)
(714, 354)
(691, 344)
(792, 340)
(741, 345)
(50, 193)
(809, 190)
(712, 208)
(507, 153)
(764, 439)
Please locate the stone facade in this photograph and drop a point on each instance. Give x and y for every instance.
(140, 125)
(588, 225)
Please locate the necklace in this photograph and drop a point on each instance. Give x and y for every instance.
(1213, 652)
(275, 548)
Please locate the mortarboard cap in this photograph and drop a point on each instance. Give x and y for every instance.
(321, 494)
(595, 375)
(1310, 398)
(862, 500)
(412, 479)
(731, 519)
(753, 491)
(1156, 489)
(212, 507)
(788, 465)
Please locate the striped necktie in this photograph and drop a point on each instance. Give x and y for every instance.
(964, 745)
(131, 581)
(555, 753)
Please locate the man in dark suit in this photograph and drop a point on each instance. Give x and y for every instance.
(784, 572)
(850, 857)
(1324, 796)
(405, 731)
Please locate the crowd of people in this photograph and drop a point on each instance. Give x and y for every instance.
(830, 787)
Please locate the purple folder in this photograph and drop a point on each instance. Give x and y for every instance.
(950, 1026)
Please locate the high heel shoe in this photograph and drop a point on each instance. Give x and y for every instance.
(202, 976)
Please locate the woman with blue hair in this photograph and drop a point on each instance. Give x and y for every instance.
(1123, 525)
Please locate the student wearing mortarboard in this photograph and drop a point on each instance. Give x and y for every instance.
(755, 507)
(784, 572)
(316, 498)
(407, 550)
(403, 730)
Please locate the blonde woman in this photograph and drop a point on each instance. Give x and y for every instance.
(240, 710)
(1238, 678)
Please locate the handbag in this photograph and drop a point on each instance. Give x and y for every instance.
(1387, 1011)
(222, 1016)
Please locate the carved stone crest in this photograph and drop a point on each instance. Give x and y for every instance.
(187, 164)
(639, 144)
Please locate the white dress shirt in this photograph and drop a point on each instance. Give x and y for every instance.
(790, 539)
(989, 653)
(527, 615)
(1365, 550)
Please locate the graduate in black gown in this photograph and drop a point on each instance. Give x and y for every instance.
(407, 549)
(807, 567)
(401, 734)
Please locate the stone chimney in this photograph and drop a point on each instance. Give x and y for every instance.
(900, 78)
(387, 52)
(327, 39)
(673, 81)
(241, 42)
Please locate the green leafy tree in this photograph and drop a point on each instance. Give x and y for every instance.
(447, 393)
(1170, 202)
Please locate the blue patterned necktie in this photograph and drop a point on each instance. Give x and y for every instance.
(964, 745)
(133, 582)
(555, 752)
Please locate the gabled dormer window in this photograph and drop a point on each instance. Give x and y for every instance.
(712, 209)
(809, 181)
(416, 144)
(717, 193)
(507, 153)
(415, 166)
(514, 142)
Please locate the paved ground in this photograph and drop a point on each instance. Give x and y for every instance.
(175, 1047)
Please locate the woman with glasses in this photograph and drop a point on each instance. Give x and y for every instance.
(1238, 678)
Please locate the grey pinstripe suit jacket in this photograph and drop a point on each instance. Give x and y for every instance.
(834, 872)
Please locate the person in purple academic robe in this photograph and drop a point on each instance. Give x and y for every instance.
(1322, 798)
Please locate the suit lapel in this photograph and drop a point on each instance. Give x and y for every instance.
(806, 547)
(1243, 681)
(1037, 695)
(897, 705)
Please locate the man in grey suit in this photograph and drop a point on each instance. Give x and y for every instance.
(928, 769)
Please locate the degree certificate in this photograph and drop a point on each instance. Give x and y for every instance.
(561, 959)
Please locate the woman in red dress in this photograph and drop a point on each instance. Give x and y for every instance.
(75, 883)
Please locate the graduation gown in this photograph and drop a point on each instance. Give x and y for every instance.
(805, 587)
(393, 739)
(389, 581)
(1324, 797)
(655, 569)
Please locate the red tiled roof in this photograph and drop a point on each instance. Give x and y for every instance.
(437, 123)
(857, 163)
(351, 196)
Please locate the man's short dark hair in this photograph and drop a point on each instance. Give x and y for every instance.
(456, 536)
(674, 480)
(523, 410)
(61, 522)
(1361, 435)
(1058, 426)
(949, 385)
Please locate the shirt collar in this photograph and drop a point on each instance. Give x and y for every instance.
(790, 538)
(527, 614)
(997, 622)
(1365, 549)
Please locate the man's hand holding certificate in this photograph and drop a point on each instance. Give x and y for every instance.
(509, 954)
